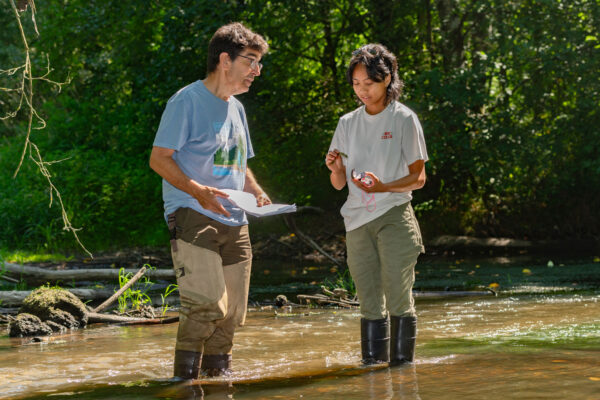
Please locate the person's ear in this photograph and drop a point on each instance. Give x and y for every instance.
(225, 60)
(388, 79)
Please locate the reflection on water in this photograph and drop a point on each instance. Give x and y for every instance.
(516, 347)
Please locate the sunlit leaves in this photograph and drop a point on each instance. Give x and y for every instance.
(507, 92)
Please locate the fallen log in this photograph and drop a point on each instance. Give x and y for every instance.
(469, 242)
(8, 311)
(110, 318)
(16, 297)
(36, 274)
(155, 321)
(509, 245)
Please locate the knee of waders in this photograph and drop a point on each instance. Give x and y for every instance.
(207, 312)
(193, 331)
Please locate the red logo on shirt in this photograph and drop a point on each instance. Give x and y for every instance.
(386, 135)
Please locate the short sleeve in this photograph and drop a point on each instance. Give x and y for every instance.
(413, 140)
(174, 129)
(339, 139)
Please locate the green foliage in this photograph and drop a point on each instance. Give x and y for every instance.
(163, 297)
(507, 93)
(342, 281)
(134, 297)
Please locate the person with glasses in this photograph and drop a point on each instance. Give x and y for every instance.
(201, 147)
(379, 151)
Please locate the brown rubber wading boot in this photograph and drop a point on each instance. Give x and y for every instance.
(375, 340)
(404, 335)
(216, 364)
(187, 364)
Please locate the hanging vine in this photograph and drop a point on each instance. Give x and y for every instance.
(24, 90)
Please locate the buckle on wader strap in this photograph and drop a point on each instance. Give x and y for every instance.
(172, 230)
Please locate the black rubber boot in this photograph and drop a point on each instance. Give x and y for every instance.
(216, 364)
(404, 335)
(187, 364)
(375, 340)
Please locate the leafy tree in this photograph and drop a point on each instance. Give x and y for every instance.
(507, 92)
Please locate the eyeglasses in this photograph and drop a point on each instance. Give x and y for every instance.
(371, 51)
(254, 64)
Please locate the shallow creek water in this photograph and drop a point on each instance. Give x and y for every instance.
(524, 346)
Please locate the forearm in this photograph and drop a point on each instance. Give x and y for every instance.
(250, 185)
(410, 182)
(161, 161)
(338, 179)
(168, 169)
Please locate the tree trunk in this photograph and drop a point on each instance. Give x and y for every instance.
(451, 25)
(41, 275)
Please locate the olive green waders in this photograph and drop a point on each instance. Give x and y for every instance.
(382, 255)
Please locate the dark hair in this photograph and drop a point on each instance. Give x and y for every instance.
(379, 62)
(232, 39)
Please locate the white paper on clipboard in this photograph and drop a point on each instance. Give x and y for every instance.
(247, 202)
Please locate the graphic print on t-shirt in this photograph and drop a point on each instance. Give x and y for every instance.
(231, 153)
(368, 201)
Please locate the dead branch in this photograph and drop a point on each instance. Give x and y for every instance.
(115, 296)
(291, 224)
(9, 279)
(26, 90)
(324, 300)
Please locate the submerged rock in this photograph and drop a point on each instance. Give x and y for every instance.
(56, 310)
(281, 300)
(63, 318)
(28, 325)
(56, 327)
(47, 303)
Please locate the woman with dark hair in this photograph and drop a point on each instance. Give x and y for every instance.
(379, 150)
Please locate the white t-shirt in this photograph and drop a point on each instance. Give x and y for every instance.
(384, 144)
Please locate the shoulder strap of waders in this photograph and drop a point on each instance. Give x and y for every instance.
(172, 224)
